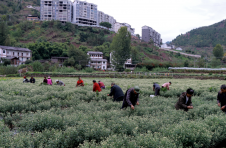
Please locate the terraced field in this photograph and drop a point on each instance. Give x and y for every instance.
(55, 116)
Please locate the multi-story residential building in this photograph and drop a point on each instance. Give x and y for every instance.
(56, 10)
(97, 61)
(102, 17)
(149, 33)
(119, 25)
(85, 13)
(16, 55)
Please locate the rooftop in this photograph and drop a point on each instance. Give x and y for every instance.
(95, 52)
(15, 48)
(59, 57)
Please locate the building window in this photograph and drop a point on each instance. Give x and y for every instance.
(7, 52)
(13, 53)
(27, 53)
(103, 62)
(3, 51)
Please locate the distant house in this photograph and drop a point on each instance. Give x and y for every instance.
(128, 64)
(16, 55)
(179, 49)
(97, 61)
(59, 60)
(32, 18)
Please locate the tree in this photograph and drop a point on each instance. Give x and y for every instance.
(3, 32)
(201, 62)
(106, 24)
(121, 47)
(76, 56)
(137, 35)
(135, 55)
(186, 64)
(218, 51)
(215, 62)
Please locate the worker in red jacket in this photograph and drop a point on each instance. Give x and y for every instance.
(96, 86)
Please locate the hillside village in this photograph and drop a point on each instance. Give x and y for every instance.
(87, 21)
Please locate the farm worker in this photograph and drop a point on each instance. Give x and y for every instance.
(184, 101)
(117, 92)
(96, 86)
(131, 97)
(156, 88)
(166, 85)
(80, 82)
(25, 80)
(32, 80)
(101, 84)
(45, 80)
(60, 83)
(221, 98)
(49, 81)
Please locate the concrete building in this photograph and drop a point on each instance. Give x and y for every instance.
(59, 60)
(32, 18)
(102, 17)
(149, 33)
(97, 61)
(84, 13)
(16, 55)
(56, 10)
(119, 25)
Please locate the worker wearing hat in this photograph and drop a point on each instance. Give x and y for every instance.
(131, 98)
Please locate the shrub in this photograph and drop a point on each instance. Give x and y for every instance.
(88, 69)
(37, 66)
(66, 70)
(28, 62)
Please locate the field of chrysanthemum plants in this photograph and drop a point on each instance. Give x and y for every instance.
(34, 115)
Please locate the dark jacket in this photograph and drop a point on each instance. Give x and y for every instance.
(117, 92)
(221, 98)
(45, 81)
(130, 98)
(32, 80)
(156, 86)
(181, 103)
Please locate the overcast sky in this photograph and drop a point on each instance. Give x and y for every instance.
(168, 17)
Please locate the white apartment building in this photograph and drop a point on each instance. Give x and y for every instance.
(102, 17)
(56, 10)
(84, 13)
(97, 61)
(119, 25)
(16, 55)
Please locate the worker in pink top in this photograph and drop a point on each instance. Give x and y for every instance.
(166, 85)
(101, 84)
(49, 81)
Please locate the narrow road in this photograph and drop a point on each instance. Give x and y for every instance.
(191, 55)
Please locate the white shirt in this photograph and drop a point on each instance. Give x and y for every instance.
(186, 100)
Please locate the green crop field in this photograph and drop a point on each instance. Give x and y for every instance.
(55, 116)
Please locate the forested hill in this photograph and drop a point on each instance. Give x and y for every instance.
(16, 10)
(207, 36)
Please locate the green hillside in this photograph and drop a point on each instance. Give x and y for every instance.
(203, 39)
(47, 39)
(16, 10)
